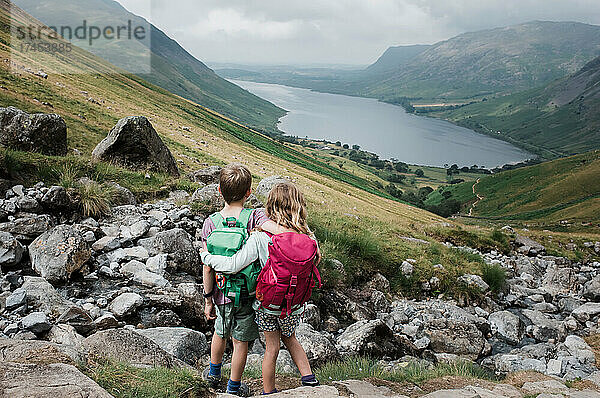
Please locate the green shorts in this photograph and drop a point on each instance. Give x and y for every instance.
(238, 323)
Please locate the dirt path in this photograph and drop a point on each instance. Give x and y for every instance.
(479, 198)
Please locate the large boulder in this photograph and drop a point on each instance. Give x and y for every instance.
(185, 344)
(455, 336)
(209, 197)
(369, 338)
(57, 253)
(507, 326)
(79, 319)
(134, 143)
(21, 380)
(43, 133)
(27, 226)
(318, 348)
(11, 250)
(266, 184)
(125, 304)
(128, 346)
(592, 289)
(209, 175)
(178, 245)
(42, 296)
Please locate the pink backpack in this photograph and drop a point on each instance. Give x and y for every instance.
(286, 281)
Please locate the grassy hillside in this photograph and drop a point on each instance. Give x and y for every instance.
(173, 68)
(545, 195)
(561, 118)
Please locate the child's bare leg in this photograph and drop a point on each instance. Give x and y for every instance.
(298, 354)
(270, 360)
(217, 348)
(238, 359)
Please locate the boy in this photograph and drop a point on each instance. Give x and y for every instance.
(235, 183)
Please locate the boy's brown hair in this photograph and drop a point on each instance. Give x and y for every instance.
(235, 180)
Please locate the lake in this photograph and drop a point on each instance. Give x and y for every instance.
(385, 129)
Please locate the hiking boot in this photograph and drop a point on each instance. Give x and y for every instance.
(312, 383)
(213, 381)
(243, 391)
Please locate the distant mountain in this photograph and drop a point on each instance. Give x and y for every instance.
(561, 118)
(394, 57)
(173, 68)
(506, 59)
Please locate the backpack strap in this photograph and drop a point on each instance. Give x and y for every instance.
(217, 220)
(317, 275)
(244, 218)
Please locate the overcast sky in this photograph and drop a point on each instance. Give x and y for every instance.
(336, 31)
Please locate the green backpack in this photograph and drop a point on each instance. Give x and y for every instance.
(226, 239)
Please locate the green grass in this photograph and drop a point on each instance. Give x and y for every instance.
(124, 381)
(494, 275)
(360, 368)
(547, 193)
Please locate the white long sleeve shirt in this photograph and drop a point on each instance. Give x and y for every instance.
(256, 247)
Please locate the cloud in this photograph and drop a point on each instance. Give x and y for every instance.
(341, 31)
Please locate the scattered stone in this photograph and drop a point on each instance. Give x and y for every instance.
(36, 322)
(207, 176)
(474, 281)
(546, 386)
(129, 347)
(507, 326)
(125, 304)
(43, 133)
(11, 250)
(134, 143)
(317, 347)
(107, 243)
(57, 253)
(16, 299)
(79, 319)
(210, 198)
(185, 344)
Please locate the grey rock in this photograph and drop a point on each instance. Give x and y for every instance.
(318, 348)
(178, 244)
(130, 347)
(43, 133)
(209, 175)
(507, 326)
(122, 196)
(57, 198)
(16, 299)
(157, 264)
(474, 281)
(36, 322)
(586, 311)
(592, 289)
(57, 253)
(106, 321)
(27, 226)
(210, 198)
(312, 316)
(266, 184)
(139, 229)
(134, 143)
(42, 296)
(23, 380)
(546, 386)
(66, 335)
(527, 245)
(542, 328)
(125, 304)
(142, 276)
(369, 337)
(106, 243)
(139, 253)
(186, 344)
(407, 269)
(79, 319)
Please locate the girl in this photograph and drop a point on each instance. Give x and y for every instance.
(287, 208)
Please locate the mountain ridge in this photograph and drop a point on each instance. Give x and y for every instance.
(173, 67)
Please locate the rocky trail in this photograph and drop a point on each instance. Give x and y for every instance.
(479, 198)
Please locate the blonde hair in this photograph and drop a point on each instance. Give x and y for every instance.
(235, 180)
(286, 207)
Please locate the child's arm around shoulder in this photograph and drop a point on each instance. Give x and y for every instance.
(248, 254)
